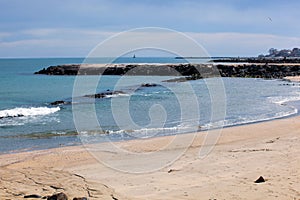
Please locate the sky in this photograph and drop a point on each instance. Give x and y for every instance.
(73, 28)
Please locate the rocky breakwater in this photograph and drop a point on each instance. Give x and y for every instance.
(120, 69)
(194, 71)
(268, 71)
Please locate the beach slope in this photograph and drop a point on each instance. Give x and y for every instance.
(242, 154)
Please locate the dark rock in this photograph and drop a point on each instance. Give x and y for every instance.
(60, 70)
(80, 198)
(59, 196)
(32, 196)
(113, 197)
(55, 103)
(148, 85)
(18, 115)
(56, 187)
(260, 180)
(104, 94)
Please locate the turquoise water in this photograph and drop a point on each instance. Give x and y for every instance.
(28, 121)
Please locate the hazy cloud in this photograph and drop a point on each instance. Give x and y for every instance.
(77, 42)
(224, 27)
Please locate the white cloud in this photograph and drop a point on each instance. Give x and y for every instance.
(50, 42)
(4, 35)
(73, 28)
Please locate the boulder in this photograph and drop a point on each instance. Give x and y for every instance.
(58, 196)
(260, 180)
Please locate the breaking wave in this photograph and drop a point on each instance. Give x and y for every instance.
(25, 112)
(281, 100)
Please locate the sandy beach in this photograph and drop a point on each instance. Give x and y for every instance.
(293, 78)
(241, 155)
(126, 100)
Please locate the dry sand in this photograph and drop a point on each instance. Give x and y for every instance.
(242, 154)
(293, 78)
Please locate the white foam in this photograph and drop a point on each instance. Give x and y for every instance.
(24, 112)
(284, 99)
(116, 95)
(186, 128)
(150, 132)
(227, 123)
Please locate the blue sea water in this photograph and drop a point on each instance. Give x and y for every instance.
(28, 121)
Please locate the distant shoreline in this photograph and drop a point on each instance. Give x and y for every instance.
(230, 59)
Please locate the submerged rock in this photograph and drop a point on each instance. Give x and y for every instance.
(148, 85)
(105, 94)
(55, 103)
(18, 115)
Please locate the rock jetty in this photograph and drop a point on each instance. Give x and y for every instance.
(195, 71)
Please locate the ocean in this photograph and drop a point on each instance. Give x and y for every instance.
(28, 121)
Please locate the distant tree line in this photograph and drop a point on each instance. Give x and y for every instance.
(295, 52)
